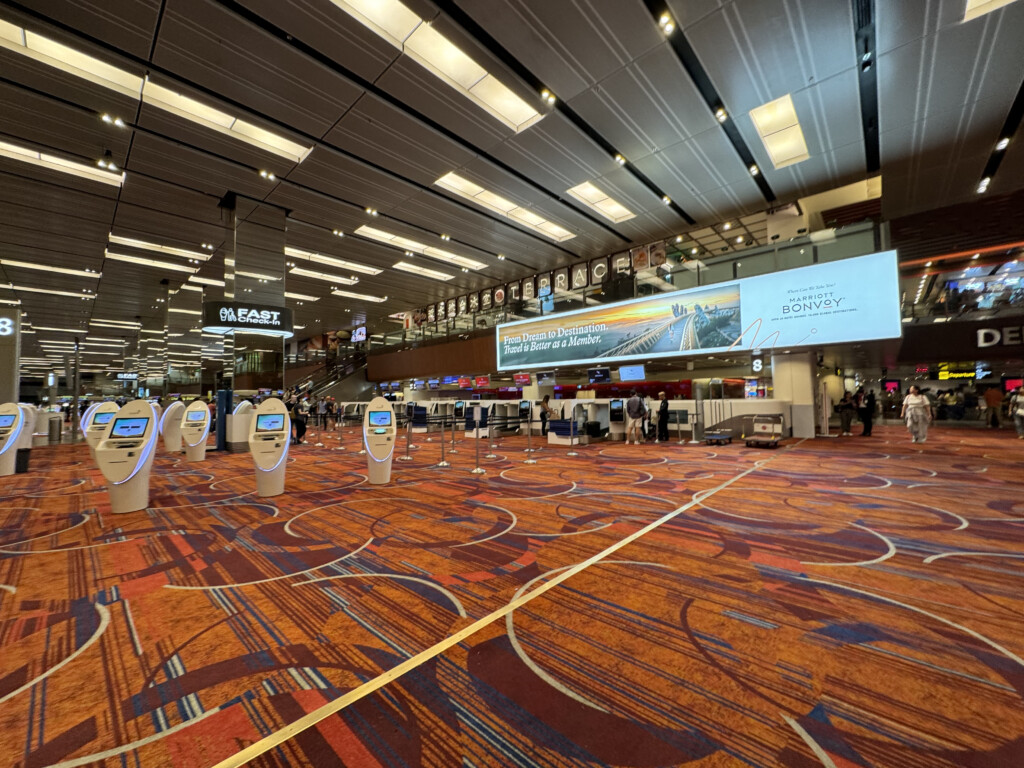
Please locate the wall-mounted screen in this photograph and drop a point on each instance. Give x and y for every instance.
(380, 418)
(599, 375)
(828, 303)
(522, 379)
(134, 427)
(546, 379)
(270, 422)
(433, 384)
(195, 416)
(632, 373)
(483, 381)
(524, 409)
(419, 384)
(103, 418)
(7, 421)
(359, 334)
(465, 382)
(891, 385)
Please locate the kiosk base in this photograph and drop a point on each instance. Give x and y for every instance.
(270, 483)
(195, 452)
(130, 497)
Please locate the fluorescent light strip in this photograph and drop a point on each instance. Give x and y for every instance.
(777, 125)
(148, 262)
(166, 249)
(299, 253)
(57, 330)
(300, 297)
(300, 272)
(600, 202)
(976, 8)
(155, 333)
(418, 39)
(54, 163)
(12, 302)
(415, 269)
(178, 311)
(372, 233)
(206, 281)
(48, 268)
(257, 276)
(361, 296)
(468, 190)
(48, 291)
(187, 287)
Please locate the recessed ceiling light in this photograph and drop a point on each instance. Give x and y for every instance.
(727, 226)
(666, 23)
(599, 201)
(337, 233)
(407, 245)
(267, 175)
(475, 193)
(49, 268)
(693, 251)
(416, 269)
(975, 255)
(777, 125)
(501, 257)
(1002, 144)
(983, 185)
(754, 170)
(142, 262)
(147, 246)
(739, 239)
(721, 115)
(666, 199)
(620, 160)
(548, 96)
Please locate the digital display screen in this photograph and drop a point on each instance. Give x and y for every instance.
(1011, 384)
(359, 334)
(460, 404)
(6, 421)
(195, 416)
(135, 427)
(380, 418)
(465, 382)
(827, 303)
(521, 379)
(890, 385)
(546, 379)
(599, 375)
(450, 380)
(524, 408)
(616, 405)
(419, 384)
(270, 422)
(103, 418)
(632, 373)
(483, 381)
(433, 384)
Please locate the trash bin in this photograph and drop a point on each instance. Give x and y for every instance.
(21, 460)
(54, 428)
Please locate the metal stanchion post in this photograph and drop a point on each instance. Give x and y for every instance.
(362, 442)
(572, 432)
(319, 428)
(490, 453)
(693, 430)
(478, 470)
(442, 462)
(679, 430)
(529, 438)
(408, 436)
(451, 448)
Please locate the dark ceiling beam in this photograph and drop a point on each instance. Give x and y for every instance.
(867, 80)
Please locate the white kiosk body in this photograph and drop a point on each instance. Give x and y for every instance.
(170, 426)
(270, 432)
(96, 423)
(195, 428)
(12, 429)
(125, 456)
(237, 427)
(379, 438)
(158, 408)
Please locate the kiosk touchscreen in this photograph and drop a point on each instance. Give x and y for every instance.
(379, 438)
(616, 420)
(270, 432)
(195, 428)
(125, 456)
(97, 421)
(170, 426)
(12, 426)
(615, 412)
(460, 409)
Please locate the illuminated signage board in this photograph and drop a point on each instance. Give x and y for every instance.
(124, 376)
(483, 381)
(227, 317)
(850, 300)
(465, 382)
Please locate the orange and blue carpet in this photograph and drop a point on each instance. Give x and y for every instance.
(848, 603)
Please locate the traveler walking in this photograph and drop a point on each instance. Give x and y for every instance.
(868, 413)
(1017, 411)
(299, 415)
(917, 410)
(662, 418)
(634, 415)
(994, 400)
(846, 410)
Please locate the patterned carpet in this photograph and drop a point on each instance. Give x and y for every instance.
(848, 603)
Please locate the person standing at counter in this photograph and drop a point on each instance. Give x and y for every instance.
(546, 412)
(846, 410)
(662, 418)
(635, 416)
(917, 410)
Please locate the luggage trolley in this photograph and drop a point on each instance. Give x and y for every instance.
(767, 431)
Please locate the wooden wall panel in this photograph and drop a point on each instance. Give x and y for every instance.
(469, 357)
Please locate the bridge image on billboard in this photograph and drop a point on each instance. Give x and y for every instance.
(849, 300)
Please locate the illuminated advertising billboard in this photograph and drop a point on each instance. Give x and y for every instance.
(850, 300)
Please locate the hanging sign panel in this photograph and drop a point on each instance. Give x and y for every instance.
(850, 300)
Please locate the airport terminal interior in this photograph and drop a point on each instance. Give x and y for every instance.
(512, 383)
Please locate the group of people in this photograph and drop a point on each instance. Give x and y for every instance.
(918, 411)
(323, 412)
(638, 418)
(863, 405)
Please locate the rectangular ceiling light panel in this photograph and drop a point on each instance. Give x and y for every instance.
(327, 278)
(361, 296)
(402, 28)
(592, 197)
(406, 244)
(476, 194)
(300, 297)
(777, 125)
(54, 163)
(147, 246)
(299, 253)
(976, 8)
(416, 269)
(50, 268)
(147, 262)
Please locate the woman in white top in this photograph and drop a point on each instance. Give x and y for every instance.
(917, 410)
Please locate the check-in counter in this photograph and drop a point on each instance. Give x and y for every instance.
(125, 456)
(195, 429)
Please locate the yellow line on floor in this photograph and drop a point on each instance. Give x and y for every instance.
(291, 730)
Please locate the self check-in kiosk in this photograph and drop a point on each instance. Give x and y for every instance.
(125, 456)
(616, 420)
(460, 410)
(270, 432)
(195, 428)
(379, 439)
(170, 426)
(237, 426)
(12, 427)
(96, 422)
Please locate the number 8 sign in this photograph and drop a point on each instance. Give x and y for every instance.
(6, 326)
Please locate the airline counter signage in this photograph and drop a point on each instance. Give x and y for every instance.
(854, 299)
(125, 376)
(226, 317)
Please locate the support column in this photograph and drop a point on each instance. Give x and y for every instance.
(10, 353)
(794, 380)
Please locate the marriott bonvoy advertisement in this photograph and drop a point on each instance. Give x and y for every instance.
(843, 301)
